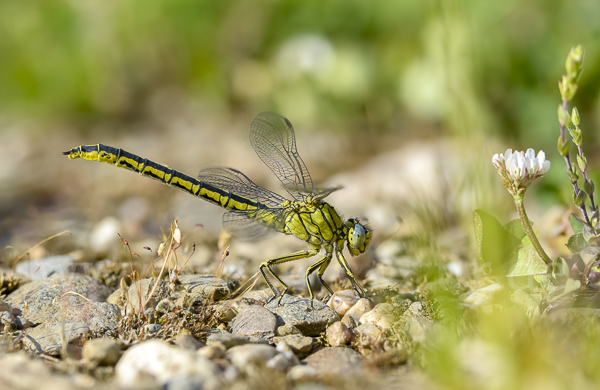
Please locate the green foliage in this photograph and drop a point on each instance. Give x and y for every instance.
(498, 245)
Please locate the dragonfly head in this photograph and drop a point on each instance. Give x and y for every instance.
(358, 237)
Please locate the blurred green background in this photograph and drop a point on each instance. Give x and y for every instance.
(374, 74)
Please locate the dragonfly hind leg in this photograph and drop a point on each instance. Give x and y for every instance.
(279, 260)
(322, 266)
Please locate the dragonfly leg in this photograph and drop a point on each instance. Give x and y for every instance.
(359, 289)
(322, 265)
(279, 260)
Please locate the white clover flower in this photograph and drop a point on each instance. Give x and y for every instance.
(519, 169)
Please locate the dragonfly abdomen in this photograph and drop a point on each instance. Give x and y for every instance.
(124, 159)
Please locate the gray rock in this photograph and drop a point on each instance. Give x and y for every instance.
(101, 352)
(42, 268)
(67, 308)
(284, 360)
(255, 321)
(118, 297)
(415, 323)
(336, 361)
(300, 345)
(162, 362)
(260, 295)
(208, 286)
(231, 340)
(310, 320)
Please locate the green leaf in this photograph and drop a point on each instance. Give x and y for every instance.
(570, 285)
(560, 267)
(497, 246)
(577, 223)
(577, 243)
(515, 227)
(529, 263)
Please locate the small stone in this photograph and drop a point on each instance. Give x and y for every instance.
(118, 297)
(369, 335)
(339, 335)
(20, 371)
(101, 352)
(255, 321)
(43, 268)
(302, 374)
(208, 286)
(283, 361)
(214, 351)
(361, 307)
(260, 295)
(189, 342)
(152, 328)
(164, 306)
(231, 340)
(382, 316)
(300, 345)
(336, 361)
(342, 301)
(310, 317)
(245, 356)
(349, 321)
(157, 359)
(286, 330)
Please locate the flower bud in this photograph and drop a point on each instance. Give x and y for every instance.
(582, 162)
(563, 146)
(572, 174)
(575, 116)
(161, 249)
(589, 187)
(563, 116)
(579, 198)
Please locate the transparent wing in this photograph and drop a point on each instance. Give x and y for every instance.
(235, 181)
(250, 225)
(272, 137)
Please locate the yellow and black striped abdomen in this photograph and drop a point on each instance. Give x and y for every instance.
(124, 159)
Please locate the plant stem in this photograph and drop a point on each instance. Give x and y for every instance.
(529, 230)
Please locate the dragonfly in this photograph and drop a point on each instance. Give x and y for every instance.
(253, 211)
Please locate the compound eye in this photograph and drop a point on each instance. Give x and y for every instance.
(357, 235)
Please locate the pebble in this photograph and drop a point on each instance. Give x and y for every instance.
(243, 356)
(342, 301)
(296, 311)
(350, 321)
(339, 335)
(208, 286)
(231, 340)
(361, 307)
(336, 361)
(42, 268)
(368, 335)
(152, 328)
(255, 321)
(101, 352)
(382, 316)
(164, 306)
(260, 295)
(162, 362)
(300, 345)
(286, 330)
(189, 342)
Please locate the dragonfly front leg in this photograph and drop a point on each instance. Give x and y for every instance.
(357, 286)
(279, 260)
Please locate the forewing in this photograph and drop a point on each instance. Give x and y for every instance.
(235, 181)
(273, 139)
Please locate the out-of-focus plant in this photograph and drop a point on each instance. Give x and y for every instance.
(513, 250)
